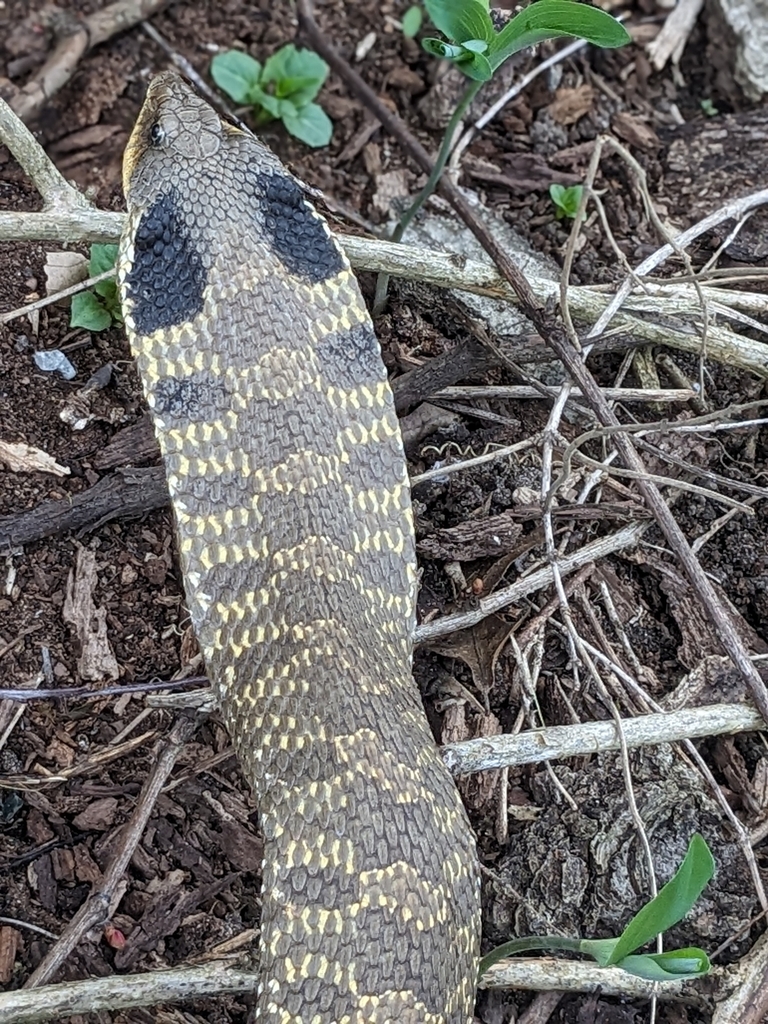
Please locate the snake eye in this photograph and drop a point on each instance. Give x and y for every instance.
(157, 134)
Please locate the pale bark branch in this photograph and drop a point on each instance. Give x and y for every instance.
(596, 549)
(55, 1002)
(558, 741)
(52, 186)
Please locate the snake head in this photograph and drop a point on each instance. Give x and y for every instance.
(175, 126)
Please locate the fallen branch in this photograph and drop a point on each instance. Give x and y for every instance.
(559, 741)
(125, 493)
(547, 973)
(157, 987)
(123, 992)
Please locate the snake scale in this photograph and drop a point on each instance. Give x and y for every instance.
(289, 487)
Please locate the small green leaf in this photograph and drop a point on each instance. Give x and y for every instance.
(675, 965)
(671, 904)
(111, 298)
(599, 949)
(106, 289)
(566, 199)
(103, 258)
(310, 124)
(258, 98)
(475, 66)
(469, 57)
(439, 48)
(235, 73)
(299, 74)
(88, 312)
(475, 45)
(412, 20)
(549, 19)
(300, 89)
(461, 19)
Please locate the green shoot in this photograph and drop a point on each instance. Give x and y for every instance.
(566, 200)
(668, 907)
(412, 20)
(478, 49)
(474, 45)
(98, 309)
(282, 89)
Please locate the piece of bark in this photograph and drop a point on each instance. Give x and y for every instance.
(89, 621)
(10, 941)
(467, 359)
(132, 444)
(125, 493)
(487, 538)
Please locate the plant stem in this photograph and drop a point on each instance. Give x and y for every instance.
(526, 943)
(382, 281)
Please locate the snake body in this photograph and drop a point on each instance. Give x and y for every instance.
(288, 481)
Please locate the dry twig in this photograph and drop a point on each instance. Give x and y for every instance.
(75, 36)
(95, 910)
(558, 741)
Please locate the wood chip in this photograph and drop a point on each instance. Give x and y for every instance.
(10, 940)
(96, 661)
(571, 104)
(488, 538)
(390, 185)
(634, 131)
(63, 270)
(24, 458)
(86, 868)
(98, 815)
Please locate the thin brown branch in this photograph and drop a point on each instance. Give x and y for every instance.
(124, 493)
(95, 910)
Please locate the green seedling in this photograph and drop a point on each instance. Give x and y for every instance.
(566, 200)
(709, 108)
(478, 49)
(412, 20)
(669, 906)
(281, 89)
(98, 309)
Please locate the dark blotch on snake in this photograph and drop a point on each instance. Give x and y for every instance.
(298, 236)
(167, 279)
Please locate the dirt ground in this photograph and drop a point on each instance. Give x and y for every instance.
(559, 845)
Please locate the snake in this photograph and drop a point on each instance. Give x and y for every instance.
(288, 481)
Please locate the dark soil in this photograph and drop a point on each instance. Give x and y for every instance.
(569, 847)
